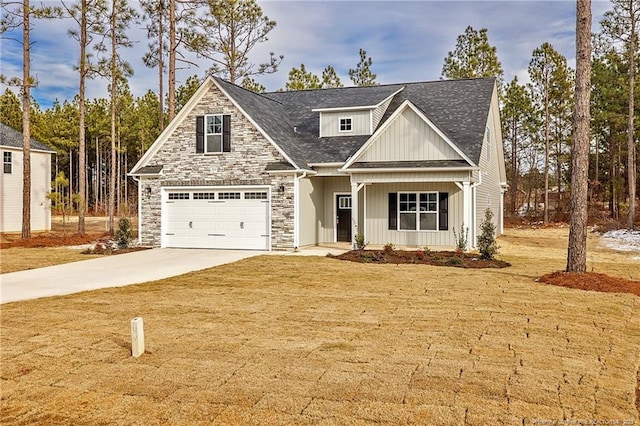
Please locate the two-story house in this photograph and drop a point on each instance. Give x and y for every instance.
(401, 163)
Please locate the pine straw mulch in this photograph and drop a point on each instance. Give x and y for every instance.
(592, 281)
(435, 258)
(49, 239)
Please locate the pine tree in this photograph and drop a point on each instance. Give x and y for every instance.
(473, 57)
(330, 78)
(362, 75)
(251, 84)
(301, 79)
(227, 33)
(577, 245)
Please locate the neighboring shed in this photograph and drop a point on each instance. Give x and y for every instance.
(11, 182)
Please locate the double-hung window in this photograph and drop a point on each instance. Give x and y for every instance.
(418, 211)
(7, 162)
(213, 133)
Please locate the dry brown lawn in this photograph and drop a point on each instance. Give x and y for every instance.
(309, 340)
(20, 258)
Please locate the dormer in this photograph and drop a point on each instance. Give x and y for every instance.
(352, 120)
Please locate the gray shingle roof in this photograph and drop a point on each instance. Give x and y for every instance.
(13, 138)
(148, 170)
(459, 108)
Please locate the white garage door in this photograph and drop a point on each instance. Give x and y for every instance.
(225, 218)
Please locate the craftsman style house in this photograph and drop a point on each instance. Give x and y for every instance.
(12, 179)
(404, 163)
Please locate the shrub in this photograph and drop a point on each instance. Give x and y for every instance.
(487, 245)
(389, 248)
(461, 239)
(454, 261)
(124, 233)
(360, 242)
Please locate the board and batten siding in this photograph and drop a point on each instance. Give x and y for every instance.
(376, 227)
(391, 177)
(360, 122)
(311, 193)
(11, 191)
(409, 138)
(327, 222)
(488, 192)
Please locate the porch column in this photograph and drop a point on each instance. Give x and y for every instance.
(467, 215)
(354, 213)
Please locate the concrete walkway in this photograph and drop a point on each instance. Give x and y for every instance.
(112, 271)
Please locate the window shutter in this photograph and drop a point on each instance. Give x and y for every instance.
(226, 133)
(393, 211)
(200, 134)
(443, 211)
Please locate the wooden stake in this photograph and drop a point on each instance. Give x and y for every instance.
(137, 337)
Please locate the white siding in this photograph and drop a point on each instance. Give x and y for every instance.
(409, 138)
(379, 112)
(11, 192)
(311, 193)
(360, 121)
(488, 192)
(441, 176)
(327, 224)
(377, 229)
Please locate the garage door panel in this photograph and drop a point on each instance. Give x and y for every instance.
(198, 221)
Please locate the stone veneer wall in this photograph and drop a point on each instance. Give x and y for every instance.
(244, 165)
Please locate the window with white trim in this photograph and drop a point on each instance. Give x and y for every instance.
(345, 124)
(7, 162)
(418, 211)
(213, 133)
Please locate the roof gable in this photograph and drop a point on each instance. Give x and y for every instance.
(420, 133)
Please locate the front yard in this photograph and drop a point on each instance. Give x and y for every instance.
(310, 340)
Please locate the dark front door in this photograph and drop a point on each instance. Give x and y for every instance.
(343, 217)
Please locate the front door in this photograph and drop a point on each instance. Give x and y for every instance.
(343, 218)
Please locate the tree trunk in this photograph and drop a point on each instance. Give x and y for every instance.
(514, 169)
(161, 65)
(545, 217)
(26, 120)
(172, 59)
(577, 246)
(114, 83)
(631, 147)
(82, 167)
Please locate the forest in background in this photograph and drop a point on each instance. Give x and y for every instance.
(98, 140)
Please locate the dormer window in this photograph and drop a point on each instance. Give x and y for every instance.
(345, 124)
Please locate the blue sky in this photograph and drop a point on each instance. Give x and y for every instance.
(408, 41)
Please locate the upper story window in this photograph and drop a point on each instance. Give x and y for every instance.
(7, 162)
(213, 133)
(345, 124)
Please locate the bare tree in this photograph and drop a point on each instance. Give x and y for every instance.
(577, 246)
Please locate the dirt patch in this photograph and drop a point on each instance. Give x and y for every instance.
(435, 258)
(592, 281)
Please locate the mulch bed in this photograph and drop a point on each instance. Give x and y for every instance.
(437, 258)
(592, 281)
(51, 240)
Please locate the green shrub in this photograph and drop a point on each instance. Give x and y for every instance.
(487, 245)
(360, 242)
(124, 233)
(389, 248)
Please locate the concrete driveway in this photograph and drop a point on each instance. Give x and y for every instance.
(112, 271)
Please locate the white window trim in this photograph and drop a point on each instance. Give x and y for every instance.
(344, 197)
(340, 124)
(206, 151)
(417, 212)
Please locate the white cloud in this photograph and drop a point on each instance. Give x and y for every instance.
(408, 41)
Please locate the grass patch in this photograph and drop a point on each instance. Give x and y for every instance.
(20, 259)
(300, 340)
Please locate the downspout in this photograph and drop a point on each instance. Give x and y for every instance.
(296, 210)
(474, 197)
(139, 208)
